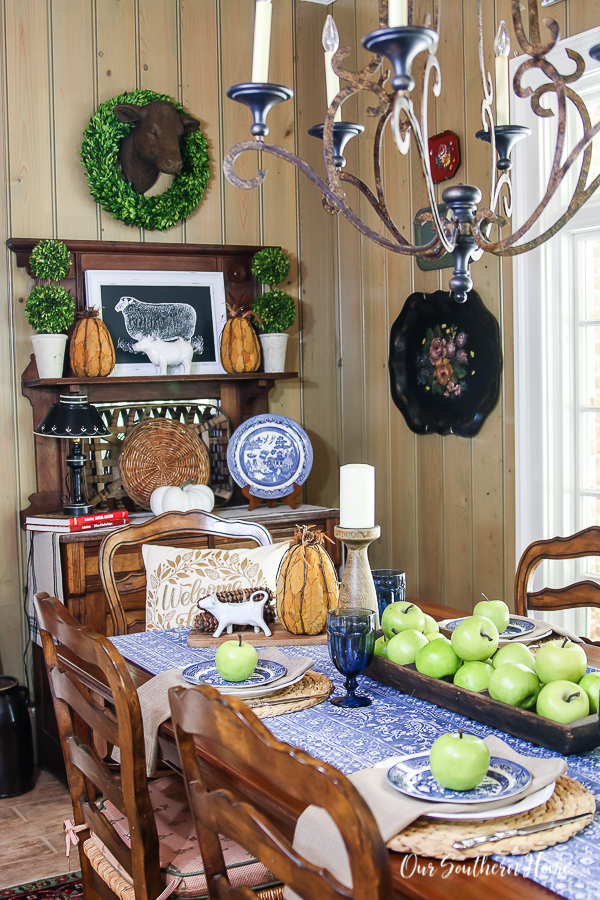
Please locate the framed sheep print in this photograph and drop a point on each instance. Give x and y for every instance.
(161, 320)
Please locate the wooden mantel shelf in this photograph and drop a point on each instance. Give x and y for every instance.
(261, 377)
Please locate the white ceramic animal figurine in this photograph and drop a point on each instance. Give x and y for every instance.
(166, 353)
(250, 612)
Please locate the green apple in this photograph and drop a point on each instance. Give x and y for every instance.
(591, 685)
(515, 684)
(495, 610)
(381, 646)
(474, 676)
(475, 638)
(401, 616)
(563, 701)
(431, 626)
(435, 636)
(437, 659)
(561, 660)
(459, 761)
(236, 660)
(403, 647)
(514, 653)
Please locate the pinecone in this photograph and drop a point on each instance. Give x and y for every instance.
(205, 622)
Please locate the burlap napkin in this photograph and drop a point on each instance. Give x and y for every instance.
(319, 841)
(154, 698)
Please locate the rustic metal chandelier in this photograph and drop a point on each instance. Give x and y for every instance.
(465, 232)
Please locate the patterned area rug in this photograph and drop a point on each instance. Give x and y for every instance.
(61, 887)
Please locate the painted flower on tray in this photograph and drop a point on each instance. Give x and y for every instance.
(442, 363)
(443, 371)
(437, 349)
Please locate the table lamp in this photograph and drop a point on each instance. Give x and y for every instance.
(74, 419)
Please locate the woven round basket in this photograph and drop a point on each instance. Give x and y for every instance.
(158, 452)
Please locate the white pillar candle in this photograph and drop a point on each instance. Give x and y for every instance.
(397, 13)
(262, 41)
(331, 42)
(357, 496)
(502, 50)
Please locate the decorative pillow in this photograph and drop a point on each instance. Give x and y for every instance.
(177, 578)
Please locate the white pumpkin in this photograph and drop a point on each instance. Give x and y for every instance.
(169, 498)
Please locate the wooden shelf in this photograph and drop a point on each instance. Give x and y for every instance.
(156, 379)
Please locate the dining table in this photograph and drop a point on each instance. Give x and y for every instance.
(354, 739)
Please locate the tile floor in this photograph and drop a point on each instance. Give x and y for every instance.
(31, 833)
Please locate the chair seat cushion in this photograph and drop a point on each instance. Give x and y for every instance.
(179, 854)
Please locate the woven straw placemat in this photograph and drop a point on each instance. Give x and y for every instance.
(434, 837)
(311, 690)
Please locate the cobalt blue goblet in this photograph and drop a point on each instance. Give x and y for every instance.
(351, 639)
(390, 587)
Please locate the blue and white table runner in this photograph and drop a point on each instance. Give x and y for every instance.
(396, 723)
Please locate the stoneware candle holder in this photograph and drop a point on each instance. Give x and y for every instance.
(357, 588)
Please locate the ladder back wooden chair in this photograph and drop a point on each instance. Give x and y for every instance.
(136, 837)
(121, 551)
(209, 726)
(582, 593)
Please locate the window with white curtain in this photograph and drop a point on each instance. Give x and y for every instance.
(557, 342)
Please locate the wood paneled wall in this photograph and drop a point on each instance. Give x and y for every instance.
(445, 505)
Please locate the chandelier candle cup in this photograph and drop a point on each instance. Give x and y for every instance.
(331, 43)
(262, 41)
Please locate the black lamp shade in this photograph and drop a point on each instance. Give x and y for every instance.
(73, 417)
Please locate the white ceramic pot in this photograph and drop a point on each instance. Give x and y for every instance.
(273, 350)
(49, 352)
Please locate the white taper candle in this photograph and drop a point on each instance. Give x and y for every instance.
(331, 42)
(397, 13)
(357, 496)
(262, 41)
(502, 50)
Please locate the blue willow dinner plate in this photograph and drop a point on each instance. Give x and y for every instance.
(206, 673)
(412, 776)
(517, 626)
(268, 454)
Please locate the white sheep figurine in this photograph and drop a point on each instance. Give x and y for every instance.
(166, 353)
(250, 612)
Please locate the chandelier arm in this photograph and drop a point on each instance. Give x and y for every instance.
(575, 205)
(381, 211)
(432, 250)
(487, 114)
(377, 157)
(404, 104)
(341, 203)
(556, 178)
(533, 47)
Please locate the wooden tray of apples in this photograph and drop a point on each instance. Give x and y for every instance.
(577, 736)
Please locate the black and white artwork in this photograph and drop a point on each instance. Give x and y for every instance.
(160, 310)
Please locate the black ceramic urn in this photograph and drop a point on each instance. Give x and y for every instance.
(16, 744)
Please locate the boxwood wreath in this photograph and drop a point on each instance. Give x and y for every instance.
(99, 154)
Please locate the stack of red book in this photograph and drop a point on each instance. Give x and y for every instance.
(67, 524)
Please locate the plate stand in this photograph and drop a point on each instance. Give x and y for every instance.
(290, 498)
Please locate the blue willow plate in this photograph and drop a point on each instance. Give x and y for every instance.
(268, 454)
(517, 626)
(412, 776)
(206, 673)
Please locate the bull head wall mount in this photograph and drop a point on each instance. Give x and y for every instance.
(152, 145)
(129, 140)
